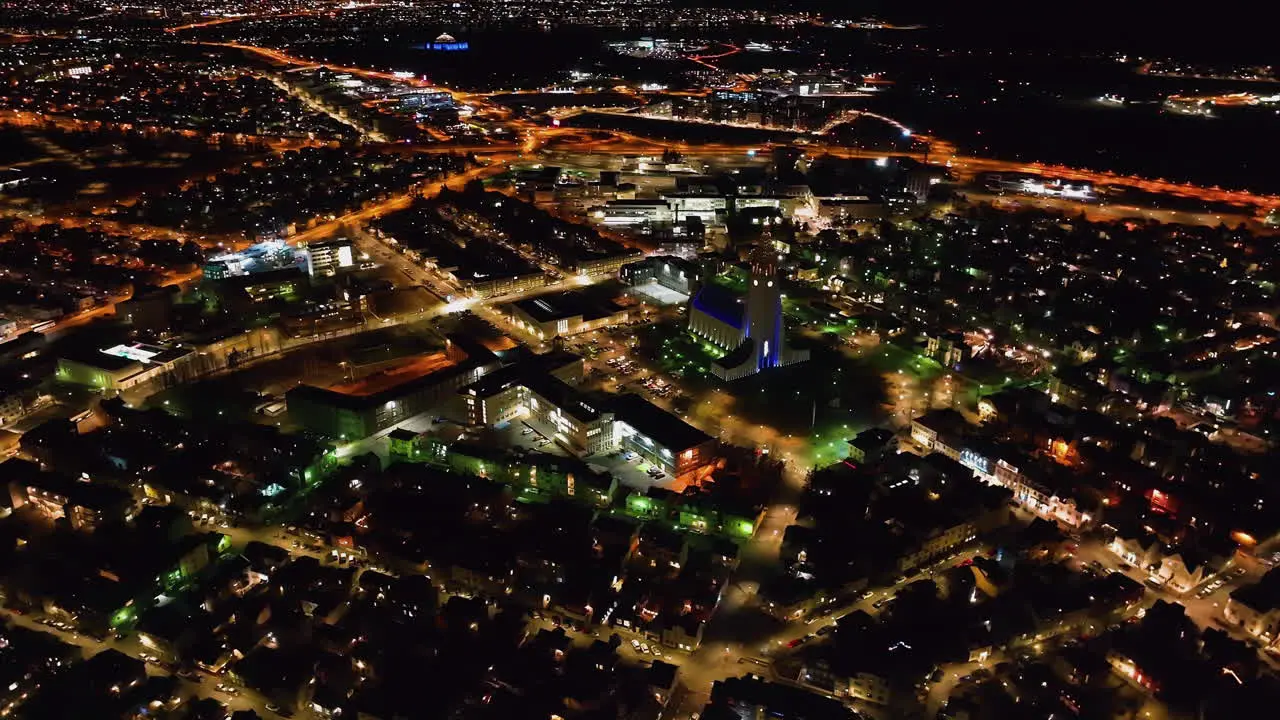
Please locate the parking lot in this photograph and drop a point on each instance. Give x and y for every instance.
(529, 434)
(631, 471)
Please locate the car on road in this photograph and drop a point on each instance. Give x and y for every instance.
(881, 602)
(228, 689)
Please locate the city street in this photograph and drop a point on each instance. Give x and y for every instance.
(1206, 611)
(242, 699)
(914, 289)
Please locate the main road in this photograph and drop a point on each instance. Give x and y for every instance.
(962, 165)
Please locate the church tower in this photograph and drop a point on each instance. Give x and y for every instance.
(764, 307)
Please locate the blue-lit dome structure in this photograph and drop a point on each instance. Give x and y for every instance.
(446, 43)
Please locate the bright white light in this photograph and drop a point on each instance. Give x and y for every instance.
(131, 352)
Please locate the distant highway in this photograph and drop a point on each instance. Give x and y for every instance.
(964, 166)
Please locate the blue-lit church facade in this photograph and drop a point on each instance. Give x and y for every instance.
(753, 331)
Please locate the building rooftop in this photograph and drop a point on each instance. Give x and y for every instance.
(84, 494)
(872, 439)
(116, 358)
(564, 396)
(778, 700)
(503, 378)
(657, 424)
(265, 277)
(420, 367)
(589, 303)
(1262, 596)
(364, 394)
(721, 304)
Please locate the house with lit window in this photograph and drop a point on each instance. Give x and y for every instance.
(85, 505)
(1256, 608)
(1180, 567)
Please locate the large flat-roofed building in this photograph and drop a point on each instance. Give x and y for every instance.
(544, 392)
(604, 262)
(483, 271)
(634, 212)
(846, 210)
(244, 291)
(328, 258)
(710, 209)
(118, 367)
(542, 389)
(259, 258)
(425, 99)
(660, 437)
(365, 407)
(575, 419)
(567, 313)
(668, 271)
